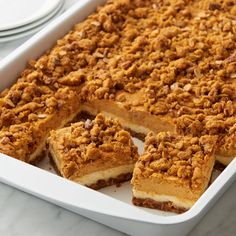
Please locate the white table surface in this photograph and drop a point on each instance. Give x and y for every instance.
(24, 215)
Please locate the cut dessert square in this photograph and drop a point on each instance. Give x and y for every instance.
(173, 172)
(94, 153)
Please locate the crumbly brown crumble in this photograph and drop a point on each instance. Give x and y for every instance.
(101, 139)
(182, 157)
(178, 56)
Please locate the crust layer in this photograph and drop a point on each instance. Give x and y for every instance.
(111, 181)
(163, 206)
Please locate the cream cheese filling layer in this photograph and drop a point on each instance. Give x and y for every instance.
(93, 178)
(183, 203)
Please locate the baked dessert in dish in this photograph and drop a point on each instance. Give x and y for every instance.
(173, 172)
(94, 153)
(172, 68)
(156, 65)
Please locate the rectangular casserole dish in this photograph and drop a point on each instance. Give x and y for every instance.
(106, 207)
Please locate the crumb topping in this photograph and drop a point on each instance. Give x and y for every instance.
(177, 58)
(183, 157)
(93, 140)
(219, 125)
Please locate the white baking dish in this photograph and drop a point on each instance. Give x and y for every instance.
(112, 208)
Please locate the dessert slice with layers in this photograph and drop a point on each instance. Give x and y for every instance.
(173, 172)
(94, 153)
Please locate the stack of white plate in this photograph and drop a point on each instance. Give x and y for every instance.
(20, 18)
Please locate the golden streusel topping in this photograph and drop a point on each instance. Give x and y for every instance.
(180, 53)
(88, 138)
(183, 157)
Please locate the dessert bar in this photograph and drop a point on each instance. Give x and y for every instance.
(173, 172)
(94, 153)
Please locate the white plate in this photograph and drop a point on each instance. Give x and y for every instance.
(106, 207)
(31, 31)
(17, 30)
(15, 13)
